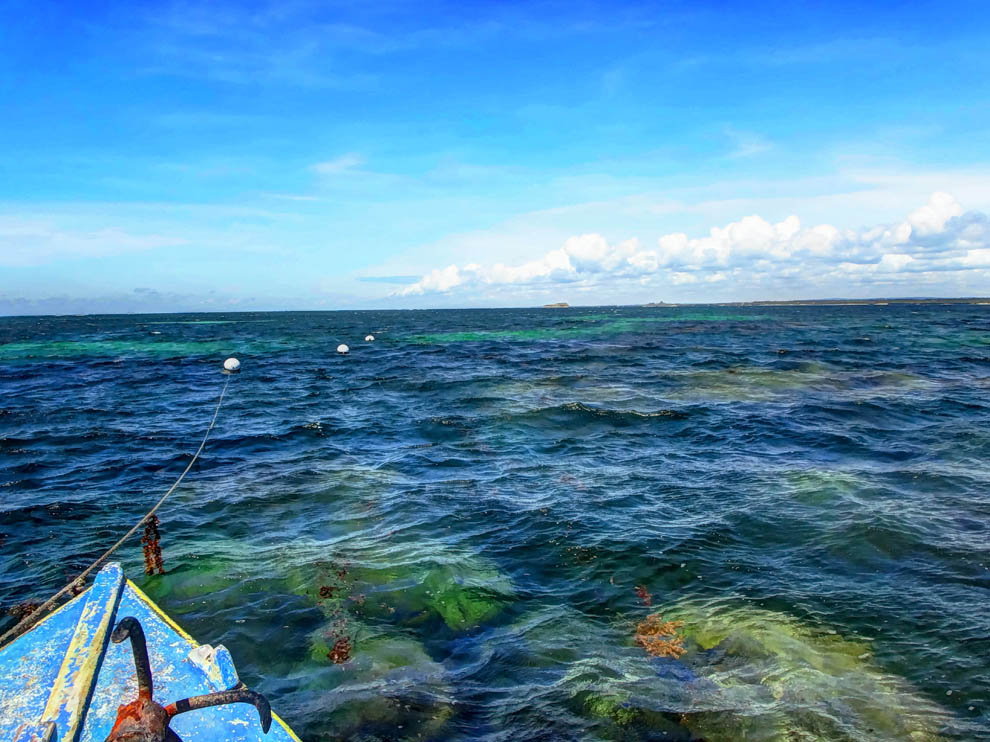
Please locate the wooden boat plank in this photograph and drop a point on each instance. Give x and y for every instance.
(67, 705)
(29, 666)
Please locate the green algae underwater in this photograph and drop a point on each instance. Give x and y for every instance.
(453, 532)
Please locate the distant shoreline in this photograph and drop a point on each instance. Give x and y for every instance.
(829, 302)
(970, 300)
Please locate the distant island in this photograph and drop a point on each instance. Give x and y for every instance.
(830, 302)
(854, 302)
(558, 305)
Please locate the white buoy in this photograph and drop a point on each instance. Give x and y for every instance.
(369, 338)
(342, 349)
(232, 365)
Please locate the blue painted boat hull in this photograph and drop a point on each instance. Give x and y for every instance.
(66, 671)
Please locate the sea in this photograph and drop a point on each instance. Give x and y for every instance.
(590, 523)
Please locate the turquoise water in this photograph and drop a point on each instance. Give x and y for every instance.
(476, 512)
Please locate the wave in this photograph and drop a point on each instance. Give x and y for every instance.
(578, 411)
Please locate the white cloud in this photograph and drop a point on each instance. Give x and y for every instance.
(932, 217)
(979, 258)
(442, 279)
(746, 143)
(342, 164)
(936, 237)
(893, 262)
(28, 242)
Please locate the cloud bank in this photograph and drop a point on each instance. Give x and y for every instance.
(936, 239)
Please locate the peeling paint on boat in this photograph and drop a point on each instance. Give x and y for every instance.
(66, 670)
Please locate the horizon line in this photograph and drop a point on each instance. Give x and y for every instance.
(836, 301)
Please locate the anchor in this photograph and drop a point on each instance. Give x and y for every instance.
(143, 720)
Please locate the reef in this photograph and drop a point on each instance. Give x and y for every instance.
(796, 682)
(388, 682)
(461, 591)
(741, 674)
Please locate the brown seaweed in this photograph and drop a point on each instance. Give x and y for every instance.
(660, 638)
(151, 545)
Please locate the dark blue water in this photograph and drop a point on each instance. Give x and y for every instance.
(476, 509)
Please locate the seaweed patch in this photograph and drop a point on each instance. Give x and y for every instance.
(643, 594)
(334, 588)
(660, 638)
(341, 650)
(151, 545)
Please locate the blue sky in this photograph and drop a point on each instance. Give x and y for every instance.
(319, 155)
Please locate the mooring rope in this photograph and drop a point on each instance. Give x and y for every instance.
(34, 616)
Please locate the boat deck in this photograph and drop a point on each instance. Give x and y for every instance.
(65, 670)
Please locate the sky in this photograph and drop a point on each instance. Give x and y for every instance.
(322, 155)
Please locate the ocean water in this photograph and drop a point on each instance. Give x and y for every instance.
(453, 532)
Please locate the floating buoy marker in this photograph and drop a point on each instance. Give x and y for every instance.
(369, 338)
(342, 349)
(231, 365)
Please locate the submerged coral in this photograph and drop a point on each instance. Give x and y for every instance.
(740, 674)
(799, 683)
(388, 682)
(461, 591)
(607, 707)
(462, 606)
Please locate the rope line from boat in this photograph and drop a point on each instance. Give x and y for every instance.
(34, 616)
